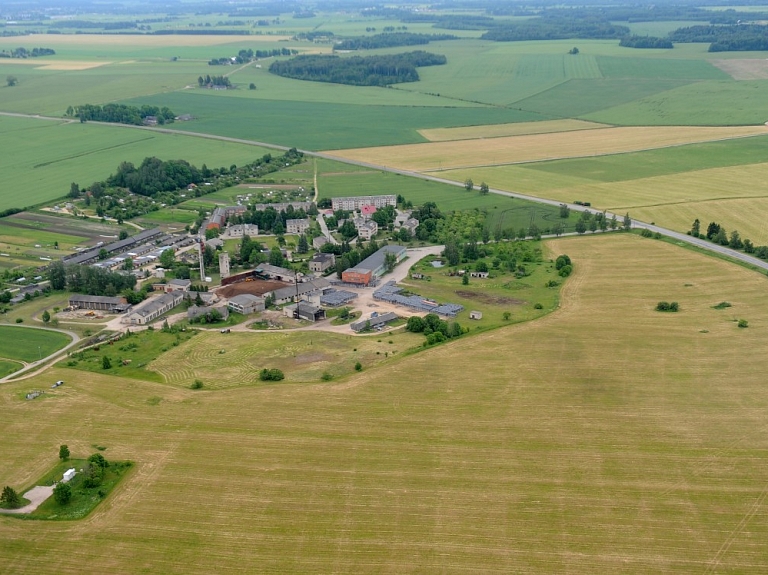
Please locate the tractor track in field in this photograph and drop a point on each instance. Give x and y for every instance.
(680, 237)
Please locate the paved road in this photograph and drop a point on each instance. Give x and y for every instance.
(709, 246)
(38, 365)
(36, 496)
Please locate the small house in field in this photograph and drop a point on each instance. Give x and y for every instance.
(475, 315)
(481, 275)
(69, 474)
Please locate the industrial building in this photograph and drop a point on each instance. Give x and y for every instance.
(372, 267)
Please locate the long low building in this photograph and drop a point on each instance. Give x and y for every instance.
(373, 267)
(92, 254)
(286, 294)
(154, 308)
(373, 322)
(98, 302)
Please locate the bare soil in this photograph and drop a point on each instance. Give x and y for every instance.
(256, 287)
(744, 69)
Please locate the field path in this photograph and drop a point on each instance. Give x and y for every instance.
(702, 244)
(36, 496)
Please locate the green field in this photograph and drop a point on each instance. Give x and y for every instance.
(532, 448)
(8, 367)
(46, 156)
(29, 345)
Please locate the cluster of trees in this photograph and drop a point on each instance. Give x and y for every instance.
(390, 40)
(509, 256)
(24, 53)
(212, 316)
(95, 470)
(88, 279)
(645, 42)
(269, 219)
(120, 113)
(9, 498)
(563, 266)
(719, 235)
(357, 70)
(211, 81)
(155, 175)
(667, 306)
(435, 329)
(271, 375)
(198, 32)
(249, 55)
(556, 27)
(731, 38)
(90, 25)
(313, 35)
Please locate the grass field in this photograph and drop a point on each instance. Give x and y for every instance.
(20, 343)
(536, 147)
(603, 426)
(8, 367)
(46, 156)
(303, 356)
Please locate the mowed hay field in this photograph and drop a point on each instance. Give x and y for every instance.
(500, 130)
(536, 147)
(603, 438)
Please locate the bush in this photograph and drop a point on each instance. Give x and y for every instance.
(326, 376)
(743, 323)
(562, 261)
(197, 384)
(358, 366)
(62, 493)
(722, 305)
(565, 271)
(538, 306)
(271, 375)
(667, 306)
(646, 233)
(19, 320)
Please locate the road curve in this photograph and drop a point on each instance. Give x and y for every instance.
(40, 364)
(703, 244)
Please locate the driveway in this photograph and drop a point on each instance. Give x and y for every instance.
(36, 496)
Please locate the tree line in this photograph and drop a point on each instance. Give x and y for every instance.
(390, 40)
(732, 38)
(717, 234)
(120, 113)
(645, 42)
(245, 56)
(24, 53)
(358, 70)
(211, 81)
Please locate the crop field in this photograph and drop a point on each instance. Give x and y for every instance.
(8, 367)
(27, 344)
(640, 435)
(537, 147)
(47, 156)
(500, 130)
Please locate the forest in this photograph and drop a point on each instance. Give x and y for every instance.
(358, 70)
(89, 280)
(556, 27)
(390, 40)
(734, 38)
(120, 114)
(245, 56)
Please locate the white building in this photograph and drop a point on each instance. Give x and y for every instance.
(297, 226)
(240, 230)
(154, 308)
(246, 304)
(68, 475)
(366, 229)
(355, 203)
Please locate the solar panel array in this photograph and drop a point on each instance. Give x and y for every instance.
(335, 298)
(389, 292)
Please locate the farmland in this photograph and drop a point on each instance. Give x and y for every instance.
(536, 147)
(394, 468)
(28, 345)
(47, 156)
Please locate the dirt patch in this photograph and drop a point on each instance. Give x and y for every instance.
(744, 69)
(311, 358)
(256, 287)
(489, 298)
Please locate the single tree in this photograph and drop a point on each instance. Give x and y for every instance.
(390, 261)
(484, 188)
(303, 245)
(465, 279)
(469, 185)
(74, 190)
(581, 227)
(696, 228)
(565, 211)
(506, 315)
(46, 317)
(358, 366)
(251, 86)
(10, 498)
(106, 363)
(63, 452)
(62, 493)
(11, 80)
(122, 235)
(103, 254)
(627, 222)
(735, 242)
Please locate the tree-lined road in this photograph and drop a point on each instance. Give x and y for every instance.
(703, 244)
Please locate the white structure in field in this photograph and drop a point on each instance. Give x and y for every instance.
(68, 475)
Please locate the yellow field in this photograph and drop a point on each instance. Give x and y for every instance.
(499, 130)
(734, 194)
(604, 438)
(140, 41)
(515, 149)
(57, 64)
